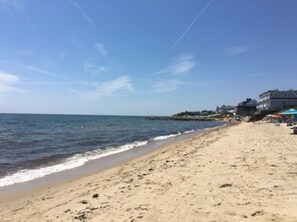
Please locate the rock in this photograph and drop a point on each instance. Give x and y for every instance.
(84, 201)
(226, 185)
(81, 217)
(259, 212)
(96, 195)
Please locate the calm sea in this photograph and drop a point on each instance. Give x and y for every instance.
(33, 146)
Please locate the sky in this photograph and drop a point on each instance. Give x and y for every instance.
(134, 57)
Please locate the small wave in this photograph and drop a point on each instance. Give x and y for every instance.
(189, 131)
(166, 136)
(78, 160)
(70, 163)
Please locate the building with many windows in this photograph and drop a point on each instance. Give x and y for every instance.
(277, 100)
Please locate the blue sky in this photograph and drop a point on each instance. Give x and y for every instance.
(143, 57)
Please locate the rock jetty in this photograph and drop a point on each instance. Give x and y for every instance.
(181, 118)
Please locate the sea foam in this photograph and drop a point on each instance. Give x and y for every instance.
(69, 163)
(166, 136)
(80, 159)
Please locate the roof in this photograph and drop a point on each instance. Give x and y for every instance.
(248, 102)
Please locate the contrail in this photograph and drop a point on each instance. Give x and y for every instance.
(33, 69)
(84, 15)
(197, 17)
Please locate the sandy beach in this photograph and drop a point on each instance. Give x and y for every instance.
(246, 172)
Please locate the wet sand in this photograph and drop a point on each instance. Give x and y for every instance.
(246, 172)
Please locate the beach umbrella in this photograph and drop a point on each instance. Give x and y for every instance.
(289, 112)
(292, 112)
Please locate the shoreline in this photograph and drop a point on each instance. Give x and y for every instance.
(37, 146)
(241, 172)
(99, 164)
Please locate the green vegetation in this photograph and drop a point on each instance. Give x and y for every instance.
(195, 113)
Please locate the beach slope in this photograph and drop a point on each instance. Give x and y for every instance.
(246, 172)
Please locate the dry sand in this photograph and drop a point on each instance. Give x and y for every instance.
(246, 172)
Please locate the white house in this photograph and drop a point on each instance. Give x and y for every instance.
(277, 100)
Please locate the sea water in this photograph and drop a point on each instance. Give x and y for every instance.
(33, 146)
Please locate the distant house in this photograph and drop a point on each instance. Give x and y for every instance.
(277, 100)
(225, 109)
(247, 107)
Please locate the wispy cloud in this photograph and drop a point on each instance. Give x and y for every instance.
(48, 83)
(237, 50)
(197, 17)
(32, 68)
(180, 65)
(101, 49)
(94, 69)
(106, 89)
(176, 70)
(8, 83)
(82, 12)
(167, 85)
(41, 71)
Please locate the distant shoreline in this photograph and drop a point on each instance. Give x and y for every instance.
(182, 118)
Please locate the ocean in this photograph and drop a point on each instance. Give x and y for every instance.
(33, 146)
